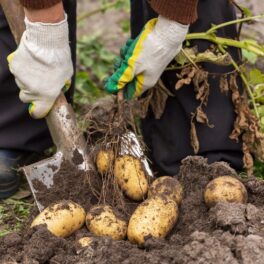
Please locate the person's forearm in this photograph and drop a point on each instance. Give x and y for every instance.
(182, 11)
(53, 14)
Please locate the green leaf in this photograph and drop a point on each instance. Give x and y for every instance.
(261, 111)
(250, 56)
(247, 12)
(256, 77)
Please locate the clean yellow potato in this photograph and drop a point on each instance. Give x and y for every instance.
(225, 189)
(168, 186)
(155, 217)
(131, 177)
(104, 160)
(62, 218)
(103, 221)
(85, 241)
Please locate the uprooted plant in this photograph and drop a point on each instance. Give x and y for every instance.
(248, 105)
(118, 152)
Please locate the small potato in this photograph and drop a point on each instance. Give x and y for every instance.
(155, 217)
(168, 186)
(85, 241)
(131, 177)
(103, 221)
(104, 160)
(62, 218)
(225, 189)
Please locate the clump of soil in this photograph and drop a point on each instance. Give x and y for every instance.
(238, 218)
(70, 184)
(227, 233)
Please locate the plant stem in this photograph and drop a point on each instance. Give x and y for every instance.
(210, 36)
(227, 42)
(237, 21)
(190, 59)
(96, 11)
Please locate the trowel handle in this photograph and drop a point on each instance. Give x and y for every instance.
(14, 14)
(61, 119)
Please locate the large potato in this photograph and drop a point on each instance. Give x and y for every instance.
(103, 221)
(62, 218)
(168, 186)
(131, 177)
(154, 217)
(225, 189)
(104, 160)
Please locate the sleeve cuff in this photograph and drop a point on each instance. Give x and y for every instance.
(49, 36)
(39, 4)
(182, 11)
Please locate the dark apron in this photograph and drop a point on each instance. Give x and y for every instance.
(169, 138)
(17, 130)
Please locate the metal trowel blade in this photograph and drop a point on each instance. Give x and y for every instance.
(42, 173)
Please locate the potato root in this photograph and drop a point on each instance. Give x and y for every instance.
(155, 217)
(104, 161)
(225, 189)
(62, 218)
(131, 177)
(168, 186)
(103, 221)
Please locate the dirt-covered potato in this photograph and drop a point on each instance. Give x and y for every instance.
(103, 221)
(62, 218)
(131, 177)
(225, 189)
(155, 217)
(168, 186)
(104, 160)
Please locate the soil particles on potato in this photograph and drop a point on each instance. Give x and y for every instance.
(227, 233)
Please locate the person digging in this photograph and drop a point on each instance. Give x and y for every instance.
(42, 67)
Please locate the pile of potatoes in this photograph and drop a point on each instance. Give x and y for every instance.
(154, 217)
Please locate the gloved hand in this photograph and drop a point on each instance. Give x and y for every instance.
(42, 65)
(145, 58)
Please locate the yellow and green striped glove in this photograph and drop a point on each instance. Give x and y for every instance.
(144, 59)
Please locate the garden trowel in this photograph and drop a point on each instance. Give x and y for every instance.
(61, 122)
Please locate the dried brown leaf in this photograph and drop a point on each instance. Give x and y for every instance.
(194, 137)
(156, 99)
(185, 77)
(258, 149)
(246, 126)
(202, 118)
(248, 160)
(202, 87)
(224, 86)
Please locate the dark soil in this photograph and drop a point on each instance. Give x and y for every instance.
(71, 184)
(227, 233)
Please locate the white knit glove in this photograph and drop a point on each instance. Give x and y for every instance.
(144, 59)
(42, 65)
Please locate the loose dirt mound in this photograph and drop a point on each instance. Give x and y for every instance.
(227, 233)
